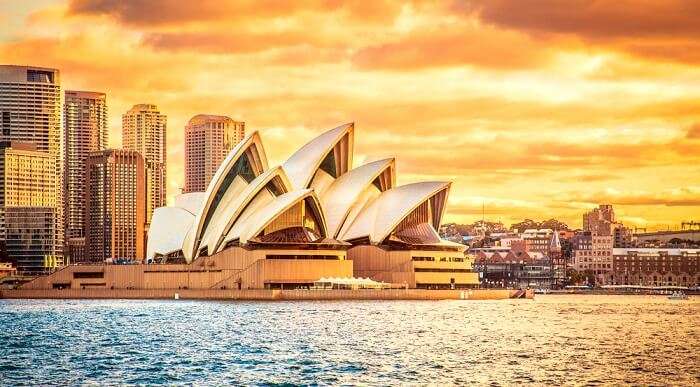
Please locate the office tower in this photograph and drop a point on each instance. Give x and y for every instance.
(143, 130)
(85, 131)
(208, 139)
(28, 207)
(30, 111)
(115, 206)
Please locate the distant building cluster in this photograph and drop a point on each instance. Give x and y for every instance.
(64, 196)
(604, 252)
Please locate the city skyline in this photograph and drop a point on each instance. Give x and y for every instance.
(571, 119)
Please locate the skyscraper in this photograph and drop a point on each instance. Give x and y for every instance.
(115, 206)
(85, 131)
(28, 206)
(30, 111)
(144, 130)
(208, 139)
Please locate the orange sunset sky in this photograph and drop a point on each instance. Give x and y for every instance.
(538, 108)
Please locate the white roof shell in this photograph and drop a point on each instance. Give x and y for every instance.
(344, 192)
(191, 201)
(169, 225)
(349, 204)
(302, 165)
(382, 215)
(279, 205)
(253, 142)
(231, 208)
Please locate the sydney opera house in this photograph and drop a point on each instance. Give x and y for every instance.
(314, 216)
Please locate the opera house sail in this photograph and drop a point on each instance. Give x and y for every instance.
(314, 216)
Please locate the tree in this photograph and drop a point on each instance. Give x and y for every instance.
(529, 223)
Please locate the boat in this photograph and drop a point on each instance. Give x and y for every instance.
(678, 296)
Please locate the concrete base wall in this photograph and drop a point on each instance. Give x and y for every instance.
(267, 295)
(233, 268)
(437, 267)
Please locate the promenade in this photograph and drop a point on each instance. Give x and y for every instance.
(268, 294)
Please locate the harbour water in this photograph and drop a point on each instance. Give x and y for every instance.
(553, 339)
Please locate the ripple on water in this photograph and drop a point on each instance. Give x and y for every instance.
(551, 340)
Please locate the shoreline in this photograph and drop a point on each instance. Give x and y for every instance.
(268, 294)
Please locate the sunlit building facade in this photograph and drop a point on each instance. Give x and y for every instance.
(85, 131)
(208, 139)
(115, 206)
(30, 111)
(28, 207)
(656, 267)
(144, 131)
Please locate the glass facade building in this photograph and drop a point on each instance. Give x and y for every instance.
(30, 112)
(28, 203)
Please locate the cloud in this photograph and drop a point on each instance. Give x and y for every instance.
(679, 197)
(149, 13)
(448, 46)
(601, 19)
(222, 43)
(693, 132)
(159, 12)
(658, 30)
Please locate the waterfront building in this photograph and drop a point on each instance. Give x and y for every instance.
(144, 131)
(28, 206)
(537, 240)
(285, 227)
(115, 206)
(513, 269)
(656, 267)
(593, 253)
(85, 131)
(30, 111)
(208, 139)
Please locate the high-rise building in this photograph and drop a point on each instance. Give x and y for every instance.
(115, 206)
(208, 139)
(30, 111)
(144, 130)
(85, 131)
(28, 207)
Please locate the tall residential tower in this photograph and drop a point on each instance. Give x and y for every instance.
(208, 139)
(144, 130)
(115, 206)
(85, 131)
(30, 112)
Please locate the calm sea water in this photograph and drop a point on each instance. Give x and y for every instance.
(551, 340)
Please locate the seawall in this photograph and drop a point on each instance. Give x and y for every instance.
(267, 295)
